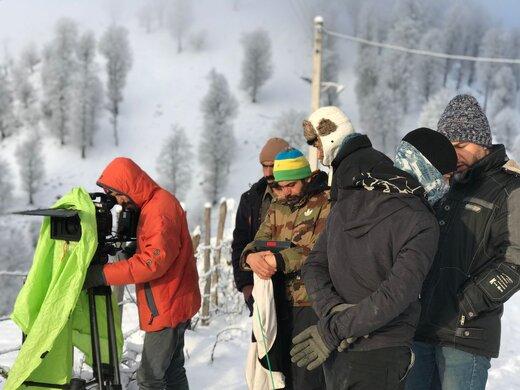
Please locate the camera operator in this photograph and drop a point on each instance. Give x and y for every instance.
(163, 270)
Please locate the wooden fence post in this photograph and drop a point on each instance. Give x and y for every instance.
(207, 265)
(218, 252)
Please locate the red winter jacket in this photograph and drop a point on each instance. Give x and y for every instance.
(163, 267)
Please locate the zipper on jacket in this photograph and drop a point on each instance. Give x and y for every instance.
(150, 302)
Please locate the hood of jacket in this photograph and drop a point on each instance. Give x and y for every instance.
(124, 176)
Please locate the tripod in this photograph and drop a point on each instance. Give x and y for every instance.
(106, 376)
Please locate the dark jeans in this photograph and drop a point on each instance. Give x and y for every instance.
(299, 319)
(162, 362)
(381, 369)
(447, 368)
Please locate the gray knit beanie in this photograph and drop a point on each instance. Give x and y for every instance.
(463, 120)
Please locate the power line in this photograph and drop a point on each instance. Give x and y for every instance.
(514, 61)
(301, 18)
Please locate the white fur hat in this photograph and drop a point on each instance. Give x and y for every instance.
(332, 126)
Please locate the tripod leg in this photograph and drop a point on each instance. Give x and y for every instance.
(112, 342)
(94, 337)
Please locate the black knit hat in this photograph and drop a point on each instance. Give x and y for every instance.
(437, 149)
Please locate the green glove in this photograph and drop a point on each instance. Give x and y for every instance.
(345, 343)
(309, 349)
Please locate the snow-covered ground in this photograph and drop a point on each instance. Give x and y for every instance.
(165, 88)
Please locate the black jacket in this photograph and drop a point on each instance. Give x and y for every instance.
(354, 157)
(476, 267)
(246, 225)
(375, 252)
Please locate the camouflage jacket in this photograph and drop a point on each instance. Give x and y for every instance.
(301, 224)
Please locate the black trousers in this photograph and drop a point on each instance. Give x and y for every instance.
(380, 369)
(297, 320)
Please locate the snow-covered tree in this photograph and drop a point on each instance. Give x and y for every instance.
(494, 44)
(199, 40)
(504, 93)
(114, 45)
(146, 16)
(330, 73)
(31, 164)
(8, 123)
(289, 127)
(428, 71)
(463, 28)
(409, 22)
(257, 65)
(23, 88)
(58, 72)
(218, 107)
(29, 57)
(434, 107)
(381, 117)
(174, 163)
(88, 97)
(6, 185)
(180, 18)
(505, 126)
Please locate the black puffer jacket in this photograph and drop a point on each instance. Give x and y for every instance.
(246, 225)
(476, 267)
(375, 252)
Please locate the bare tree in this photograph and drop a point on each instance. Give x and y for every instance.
(505, 126)
(174, 163)
(257, 66)
(180, 18)
(30, 162)
(218, 107)
(114, 45)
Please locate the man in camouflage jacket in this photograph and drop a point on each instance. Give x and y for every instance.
(299, 216)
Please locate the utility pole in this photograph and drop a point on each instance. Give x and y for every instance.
(316, 80)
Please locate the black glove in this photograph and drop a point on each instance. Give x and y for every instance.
(130, 249)
(95, 277)
(309, 349)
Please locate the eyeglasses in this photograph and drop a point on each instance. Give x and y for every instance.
(268, 165)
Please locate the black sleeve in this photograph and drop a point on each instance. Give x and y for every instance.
(500, 278)
(395, 294)
(316, 276)
(241, 237)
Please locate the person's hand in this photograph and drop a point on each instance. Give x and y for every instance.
(95, 277)
(345, 343)
(259, 266)
(309, 349)
(270, 259)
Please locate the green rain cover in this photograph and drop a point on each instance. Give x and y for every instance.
(52, 309)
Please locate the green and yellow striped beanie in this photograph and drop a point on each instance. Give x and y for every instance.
(291, 165)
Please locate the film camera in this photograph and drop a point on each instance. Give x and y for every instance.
(65, 225)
